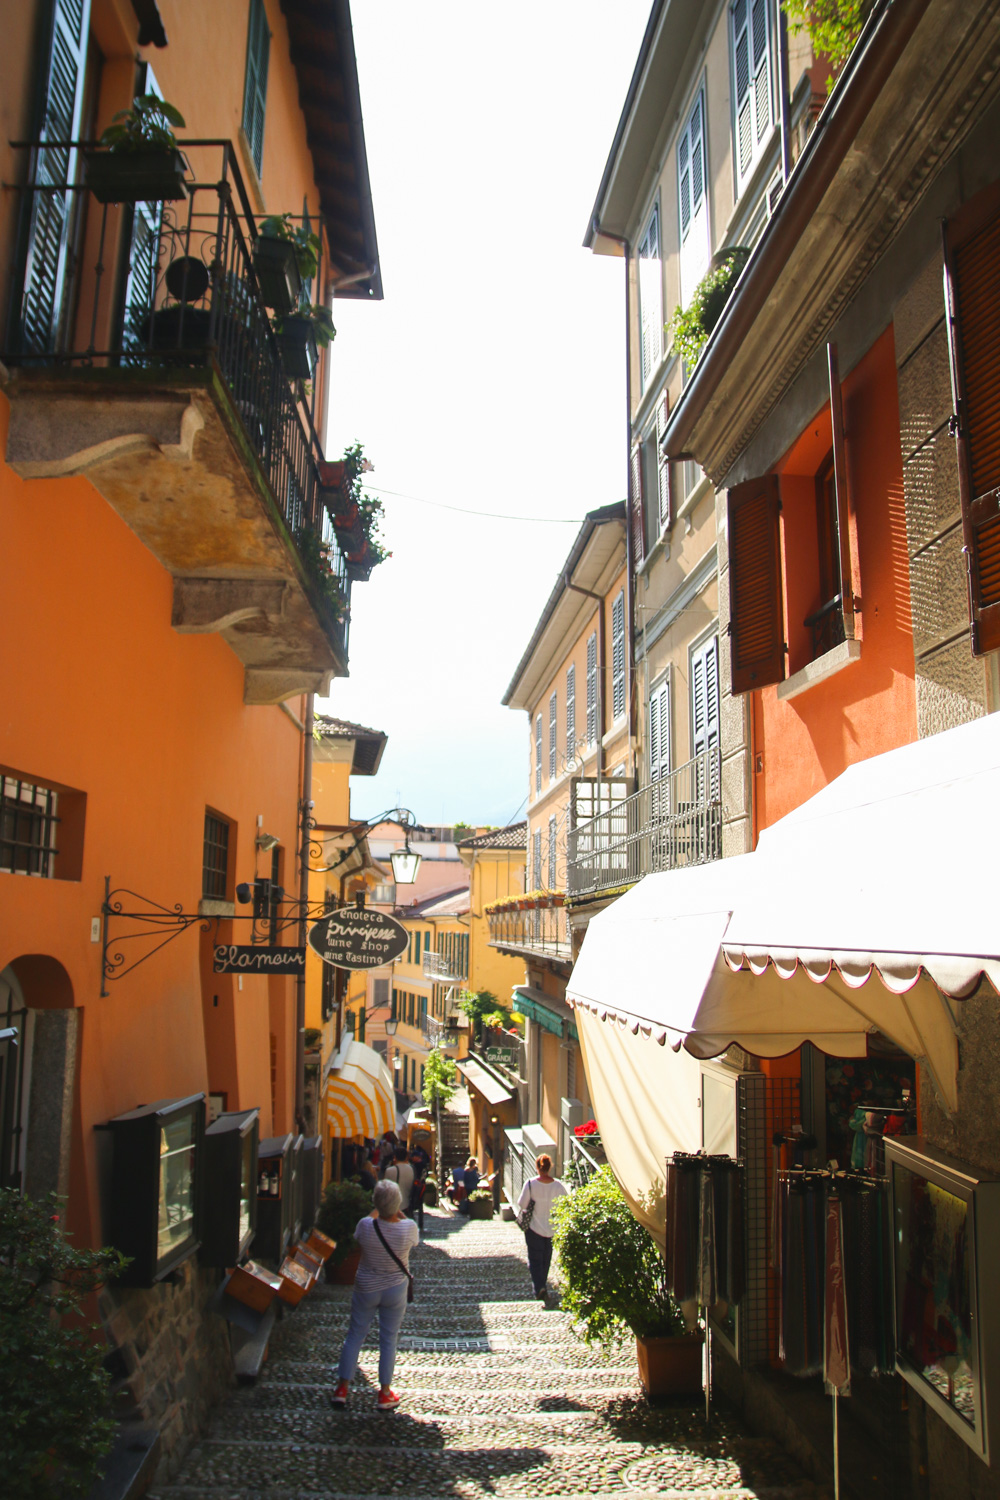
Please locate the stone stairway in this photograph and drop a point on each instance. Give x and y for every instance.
(499, 1399)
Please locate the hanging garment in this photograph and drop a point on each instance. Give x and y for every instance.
(836, 1360)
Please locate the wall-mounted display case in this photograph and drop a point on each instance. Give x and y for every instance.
(229, 1177)
(312, 1180)
(946, 1294)
(156, 1162)
(276, 1189)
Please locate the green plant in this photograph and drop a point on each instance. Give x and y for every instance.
(690, 326)
(440, 1083)
(482, 1005)
(280, 227)
(320, 317)
(481, 1204)
(431, 1193)
(54, 1412)
(613, 1272)
(145, 126)
(311, 1038)
(344, 1205)
(315, 555)
(833, 28)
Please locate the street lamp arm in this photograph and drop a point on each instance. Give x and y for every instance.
(401, 816)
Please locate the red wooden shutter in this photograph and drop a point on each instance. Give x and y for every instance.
(849, 578)
(635, 504)
(757, 619)
(972, 292)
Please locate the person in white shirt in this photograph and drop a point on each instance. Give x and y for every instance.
(401, 1173)
(541, 1192)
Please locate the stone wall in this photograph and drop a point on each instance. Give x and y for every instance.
(171, 1355)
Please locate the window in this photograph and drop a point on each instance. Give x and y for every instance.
(362, 1022)
(328, 991)
(255, 85)
(380, 993)
(570, 712)
(552, 852)
(395, 1006)
(618, 656)
(972, 259)
(650, 297)
(664, 504)
(753, 111)
(592, 689)
(538, 754)
(215, 858)
(659, 731)
(28, 821)
(553, 710)
(692, 194)
(536, 859)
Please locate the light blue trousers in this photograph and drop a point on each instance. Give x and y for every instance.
(391, 1307)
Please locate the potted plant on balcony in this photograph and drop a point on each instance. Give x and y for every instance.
(142, 162)
(614, 1284)
(316, 559)
(691, 326)
(300, 337)
(284, 256)
(344, 1205)
(362, 559)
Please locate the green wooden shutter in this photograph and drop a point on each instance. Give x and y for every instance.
(255, 86)
(756, 612)
(47, 234)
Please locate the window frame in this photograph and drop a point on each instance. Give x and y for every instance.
(650, 295)
(619, 672)
(42, 818)
(695, 239)
(743, 175)
(258, 55)
(220, 867)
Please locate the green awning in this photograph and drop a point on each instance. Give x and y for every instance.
(541, 1008)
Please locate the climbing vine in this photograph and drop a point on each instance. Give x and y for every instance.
(833, 27)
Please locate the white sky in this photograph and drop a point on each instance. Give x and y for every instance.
(490, 378)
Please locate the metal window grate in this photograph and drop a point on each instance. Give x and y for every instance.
(215, 858)
(28, 823)
(765, 1106)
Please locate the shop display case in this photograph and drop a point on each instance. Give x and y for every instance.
(312, 1180)
(156, 1162)
(946, 1295)
(229, 1177)
(276, 1191)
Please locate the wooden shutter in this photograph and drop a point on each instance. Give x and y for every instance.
(592, 689)
(751, 80)
(847, 561)
(664, 494)
(650, 298)
(972, 289)
(139, 291)
(570, 712)
(636, 508)
(756, 613)
(255, 85)
(538, 753)
(553, 851)
(49, 216)
(693, 201)
(705, 705)
(553, 712)
(659, 731)
(618, 656)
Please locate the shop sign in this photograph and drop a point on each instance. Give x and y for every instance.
(232, 959)
(502, 1056)
(356, 938)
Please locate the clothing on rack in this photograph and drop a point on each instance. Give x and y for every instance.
(705, 1246)
(836, 1359)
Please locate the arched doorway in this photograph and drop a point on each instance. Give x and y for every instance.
(37, 1074)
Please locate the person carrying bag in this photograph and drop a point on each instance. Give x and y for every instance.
(384, 1285)
(537, 1197)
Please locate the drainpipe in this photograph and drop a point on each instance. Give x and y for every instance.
(632, 700)
(305, 813)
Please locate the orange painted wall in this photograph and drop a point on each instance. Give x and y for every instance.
(870, 706)
(102, 696)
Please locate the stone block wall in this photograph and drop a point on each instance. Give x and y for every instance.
(173, 1355)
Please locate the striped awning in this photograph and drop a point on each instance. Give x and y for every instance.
(359, 1093)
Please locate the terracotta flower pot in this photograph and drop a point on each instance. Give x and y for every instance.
(670, 1366)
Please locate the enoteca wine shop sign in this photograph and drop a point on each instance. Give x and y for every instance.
(358, 939)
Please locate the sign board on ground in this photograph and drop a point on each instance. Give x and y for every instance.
(231, 959)
(504, 1056)
(358, 939)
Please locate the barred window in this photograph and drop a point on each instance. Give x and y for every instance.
(28, 821)
(215, 858)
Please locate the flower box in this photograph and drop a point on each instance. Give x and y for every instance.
(276, 264)
(135, 176)
(297, 344)
(670, 1366)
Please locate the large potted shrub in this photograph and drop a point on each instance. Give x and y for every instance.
(344, 1205)
(284, 256)
(54, 1412)
(142, 162)
(614, 1284)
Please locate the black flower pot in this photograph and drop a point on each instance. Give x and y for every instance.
(277, 268)
(297, 342)
(134, 176)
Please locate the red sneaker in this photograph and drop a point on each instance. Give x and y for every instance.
(387, 1401)
(339, 1397)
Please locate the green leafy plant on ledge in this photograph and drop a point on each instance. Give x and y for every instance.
(316, 557)
(304, 241)
(54, 1412)
(833, 28)
(690, 326)
(145, 126)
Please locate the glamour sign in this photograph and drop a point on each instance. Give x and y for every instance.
(230, 959)
(358, 939)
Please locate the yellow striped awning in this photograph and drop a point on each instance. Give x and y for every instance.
(359, 1094)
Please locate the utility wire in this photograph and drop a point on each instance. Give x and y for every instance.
(488, 515)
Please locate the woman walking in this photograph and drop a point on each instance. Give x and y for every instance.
(541, 1192)
(386, 1238)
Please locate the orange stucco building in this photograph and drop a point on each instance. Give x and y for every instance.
(180, 584)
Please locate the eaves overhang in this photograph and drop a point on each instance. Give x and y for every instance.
(600, 537)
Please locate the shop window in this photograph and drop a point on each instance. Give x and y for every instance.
(791, 539)
(156, 1160)
(277, 1193)
(255, 84)
(972, 261)
(215, 858)
(230, 1175)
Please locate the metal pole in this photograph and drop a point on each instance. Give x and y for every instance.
(836, 1448)
(305, 812)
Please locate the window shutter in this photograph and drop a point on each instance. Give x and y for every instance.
(49, 220)
(552, 852)
(664, 496)
(849, 577)
(650, 298)
(536, 859)
(693, 204)
(592, 689)
(255, 85)
(618, 656)
(139, 292)
(538, 753)
(570, 712)
(705, 705)
(757, 620)
(635, 501)
(972, 288)
(553, 710)
(659, 731)
(751, 80)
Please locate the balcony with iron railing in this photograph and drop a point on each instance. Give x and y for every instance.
(445, 1036)
(674, 822)
(444, 969)
(531, 927)
(142, 355)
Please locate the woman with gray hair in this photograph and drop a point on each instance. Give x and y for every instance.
(386, 1237)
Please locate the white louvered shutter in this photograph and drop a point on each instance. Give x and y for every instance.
(592, 689)
(659, 731)
(650, 297)
(570, 712)
(693, 196)
(618, 657)
(536, 859)
(553, 710)
(552, 852)
(751, 81)
(538, 754)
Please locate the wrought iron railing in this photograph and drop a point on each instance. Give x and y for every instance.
(161, 286)
(440, 1034)
(444, 969)
(503, 1052)
(673, 822)
(543, 930)
(586, 1157)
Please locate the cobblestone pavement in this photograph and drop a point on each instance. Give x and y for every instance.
(499, 1399)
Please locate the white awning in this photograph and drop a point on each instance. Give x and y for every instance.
(359, 1093)
(888, 872)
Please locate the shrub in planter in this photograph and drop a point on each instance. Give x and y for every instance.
(431, 1194)
(142, 163)
(284, 256)
(690, 326)
(480, 1204)
(54, 1412)
(300, 337)
(344, 1205)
